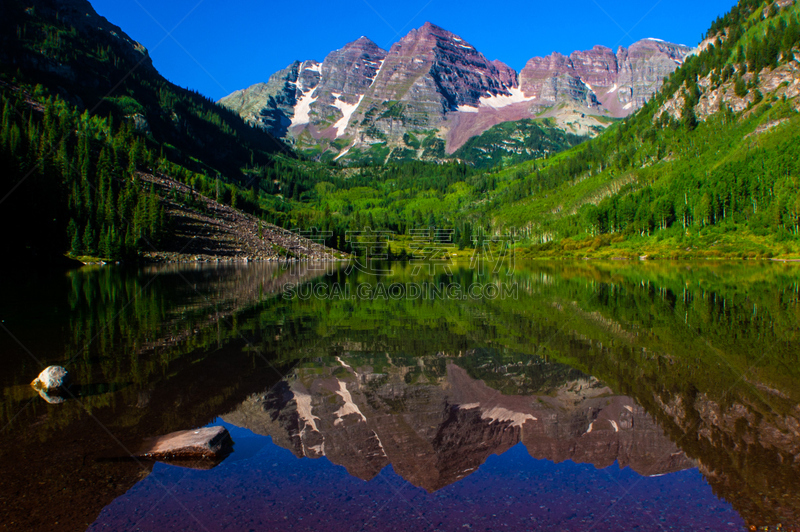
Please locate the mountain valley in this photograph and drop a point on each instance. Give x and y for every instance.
(656, 150)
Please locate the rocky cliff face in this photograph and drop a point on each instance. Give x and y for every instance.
(310, 96)
(347, 75)
(435, 85)
(758, 479)
(436, 433)
(273, 105)
(430, 72)
(598, 79)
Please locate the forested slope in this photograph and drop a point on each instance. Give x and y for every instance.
(714, 154)
(82, 110)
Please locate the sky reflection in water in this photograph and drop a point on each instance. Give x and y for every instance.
(268, 488)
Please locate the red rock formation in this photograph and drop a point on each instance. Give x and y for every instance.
(433, 80)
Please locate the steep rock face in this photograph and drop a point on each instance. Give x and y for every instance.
(643, 68)
(428, 74)
(596, 67)
(766, 467)
(437, 433)
(507, 75)
(431, 65)
(616, 84)
(551, 80)
(345, 76)
(434, 84)
(272, 105)
(310, 95)
(782, 81)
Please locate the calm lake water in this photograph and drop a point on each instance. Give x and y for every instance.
(548, 396)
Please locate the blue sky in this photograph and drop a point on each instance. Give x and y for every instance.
(217, 46)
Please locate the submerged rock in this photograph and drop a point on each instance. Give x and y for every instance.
(210, 442)
(53, 381)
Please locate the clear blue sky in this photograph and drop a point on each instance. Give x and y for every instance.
(220, 46)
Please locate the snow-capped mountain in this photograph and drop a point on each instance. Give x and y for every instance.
(433, 91)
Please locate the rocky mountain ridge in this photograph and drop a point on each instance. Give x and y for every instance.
(81, 15)
(436, 87)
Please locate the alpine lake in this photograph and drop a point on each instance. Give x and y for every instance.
(564, 396)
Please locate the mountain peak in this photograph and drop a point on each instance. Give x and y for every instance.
(433, 80)
(661, 46)
(362, 43)
(81, 15)
(430, 29)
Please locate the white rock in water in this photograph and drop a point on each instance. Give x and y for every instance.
(52, 379)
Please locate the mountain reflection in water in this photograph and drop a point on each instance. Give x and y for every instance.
(436, 433)
(604, 396)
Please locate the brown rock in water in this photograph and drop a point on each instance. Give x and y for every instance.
(211, 442)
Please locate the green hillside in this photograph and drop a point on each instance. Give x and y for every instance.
(91, 64)
(516, 142)
(712, 159)
(81, 110)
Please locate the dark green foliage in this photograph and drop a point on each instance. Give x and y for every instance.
(735, 18)
(499, 144)
(740, 88)
(71, 183)
(744, 191)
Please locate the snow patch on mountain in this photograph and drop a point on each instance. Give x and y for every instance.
(318, 449)
(380, 443)
(663, 41)
(347, 110)
(498, 414)
(500, 101)
(345, 152)
(377, 72)
(302, 109)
